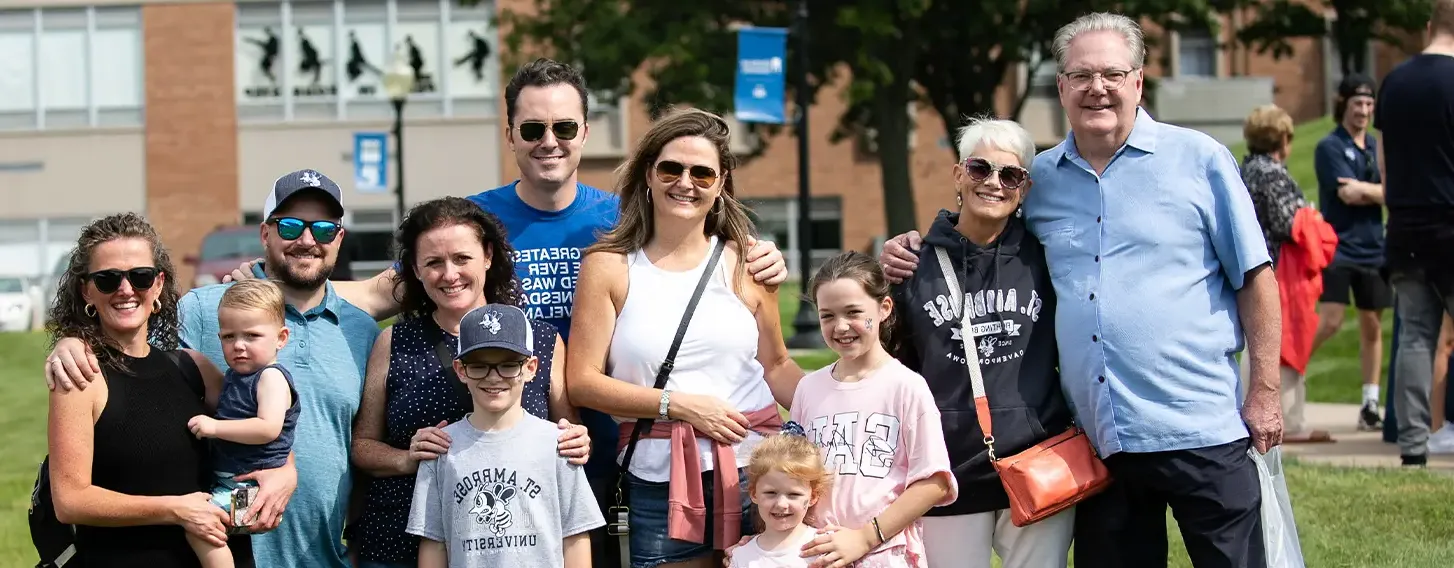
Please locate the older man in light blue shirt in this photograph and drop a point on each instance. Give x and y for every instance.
(1162, 275)
(1148, 258)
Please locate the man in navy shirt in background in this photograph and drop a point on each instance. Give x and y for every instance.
(1350, 195)
(1415, 114)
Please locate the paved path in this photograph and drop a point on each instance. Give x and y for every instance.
(1352, 448)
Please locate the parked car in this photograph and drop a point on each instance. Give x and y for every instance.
(222, 250)
(17, 305)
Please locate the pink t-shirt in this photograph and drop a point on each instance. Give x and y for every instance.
(879, 435)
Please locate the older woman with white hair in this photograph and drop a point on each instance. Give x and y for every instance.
(996, 269)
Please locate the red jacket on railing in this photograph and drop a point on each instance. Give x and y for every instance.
(1300, 282)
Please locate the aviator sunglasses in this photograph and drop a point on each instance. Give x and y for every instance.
(109, 281)
(291, 228)
(980, 169)
(669, 172)
(533, 131)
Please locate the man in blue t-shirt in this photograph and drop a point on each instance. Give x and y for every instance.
(1350, 195)
(550, 218)
(1415, 114)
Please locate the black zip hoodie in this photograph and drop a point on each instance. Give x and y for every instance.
(1005, 282)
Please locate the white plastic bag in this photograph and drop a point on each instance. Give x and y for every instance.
(1279, 531)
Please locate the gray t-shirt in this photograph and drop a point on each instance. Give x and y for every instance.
(503, 498)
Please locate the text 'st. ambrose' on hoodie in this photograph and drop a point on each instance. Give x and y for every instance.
(1004, 283)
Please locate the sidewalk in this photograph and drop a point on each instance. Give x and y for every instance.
(1352, 448)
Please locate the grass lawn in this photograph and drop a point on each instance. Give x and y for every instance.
(1351, 518)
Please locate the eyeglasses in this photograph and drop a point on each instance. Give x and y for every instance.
(533, 131)
(1112, 79)
(669, 172)
(506, 369)
(980, 169)
(109, 281)
(291, 228)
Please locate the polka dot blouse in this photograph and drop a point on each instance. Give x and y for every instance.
(418, 394)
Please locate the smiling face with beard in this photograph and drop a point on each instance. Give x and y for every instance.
(302, 264)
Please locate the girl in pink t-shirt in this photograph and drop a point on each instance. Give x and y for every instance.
(876, 424)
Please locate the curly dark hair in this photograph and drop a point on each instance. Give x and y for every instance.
(68, 313)
(501, 287)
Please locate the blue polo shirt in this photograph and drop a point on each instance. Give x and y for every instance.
(327, 351)
(548, 248)
(1359, 227)
(1146, 261)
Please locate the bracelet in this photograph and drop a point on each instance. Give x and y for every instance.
(878, 531)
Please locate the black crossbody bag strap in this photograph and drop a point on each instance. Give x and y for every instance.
(642, 425)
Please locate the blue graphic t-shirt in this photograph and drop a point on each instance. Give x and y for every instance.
(548, 249)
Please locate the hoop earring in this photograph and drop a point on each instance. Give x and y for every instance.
(156, 305)
(90, 311)
(959, 198)
(717, 206)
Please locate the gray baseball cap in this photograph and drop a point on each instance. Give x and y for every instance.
(290, 184)
(496, 326)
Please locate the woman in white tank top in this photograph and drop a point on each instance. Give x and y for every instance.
(686, 486)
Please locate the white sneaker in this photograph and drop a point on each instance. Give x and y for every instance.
(1442, 442)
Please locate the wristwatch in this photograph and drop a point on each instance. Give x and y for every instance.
(665, 402)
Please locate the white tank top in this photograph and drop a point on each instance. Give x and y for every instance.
(718, 355)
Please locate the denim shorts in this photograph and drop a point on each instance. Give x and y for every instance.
(650, 546)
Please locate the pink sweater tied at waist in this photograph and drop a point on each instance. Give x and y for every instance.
(687, 511)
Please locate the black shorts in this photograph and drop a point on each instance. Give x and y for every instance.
(1371, 290)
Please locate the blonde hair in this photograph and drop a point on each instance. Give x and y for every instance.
(728, 220)
(255, 294)
(794, 456)
(1267, 129)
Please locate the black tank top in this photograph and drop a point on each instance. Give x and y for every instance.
(143, 447)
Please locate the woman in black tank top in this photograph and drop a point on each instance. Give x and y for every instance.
(124, 467)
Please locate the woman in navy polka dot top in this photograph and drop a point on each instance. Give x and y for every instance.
(454, 257)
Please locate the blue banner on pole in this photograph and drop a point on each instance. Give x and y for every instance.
(761, 66)
(370, 162)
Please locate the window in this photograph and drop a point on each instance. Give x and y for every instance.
(70, 67)
(1196, 54)
(777, 221)
(325, 60)
(1042, 69)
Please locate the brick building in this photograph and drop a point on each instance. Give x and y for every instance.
(187, 111)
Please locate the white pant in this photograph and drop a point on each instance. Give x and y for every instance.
(965, 541)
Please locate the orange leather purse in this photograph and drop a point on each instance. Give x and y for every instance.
(1046, 478)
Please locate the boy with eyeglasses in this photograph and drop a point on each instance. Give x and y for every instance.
(501, 495)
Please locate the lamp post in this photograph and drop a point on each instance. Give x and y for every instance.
(398, 83)
(805, 324)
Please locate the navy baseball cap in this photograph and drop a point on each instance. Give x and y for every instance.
(290, 184)
(496, 326)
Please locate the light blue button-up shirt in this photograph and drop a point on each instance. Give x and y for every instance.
(327, 351)
(1146, 260)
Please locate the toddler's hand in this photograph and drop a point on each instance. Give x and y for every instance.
(202, 426)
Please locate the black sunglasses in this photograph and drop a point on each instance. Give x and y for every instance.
(669, 172)
(109, 281)
(980, 169)
(533, 131)
(291, 228)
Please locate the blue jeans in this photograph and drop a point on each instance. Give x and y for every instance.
(650, 545)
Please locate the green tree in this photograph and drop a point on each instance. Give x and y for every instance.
(1356, 23)
(951, 55)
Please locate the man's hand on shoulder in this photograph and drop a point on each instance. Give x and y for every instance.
(71, 365)
(900, 256)
(765, 262)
